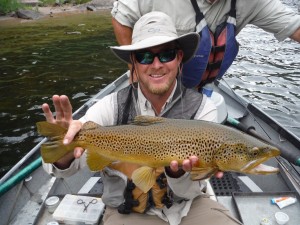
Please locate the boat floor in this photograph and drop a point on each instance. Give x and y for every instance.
(223, 190)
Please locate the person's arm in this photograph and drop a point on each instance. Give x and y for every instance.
(123, 33)
(271, 16)
(296, 35)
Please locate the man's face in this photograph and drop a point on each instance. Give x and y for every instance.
(158, 77)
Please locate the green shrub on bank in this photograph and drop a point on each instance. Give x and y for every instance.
(7, 6)
(46, 2)
(52, 2)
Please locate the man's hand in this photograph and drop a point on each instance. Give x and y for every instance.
(175, 171)
(63, 117)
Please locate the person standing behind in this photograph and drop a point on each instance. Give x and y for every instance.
(157, 54)
(217, 22)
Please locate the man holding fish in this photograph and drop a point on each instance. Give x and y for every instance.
(157, 54)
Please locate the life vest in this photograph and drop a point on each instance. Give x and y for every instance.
(135, 199)
(215, 53)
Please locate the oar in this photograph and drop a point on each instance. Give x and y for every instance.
(291, 156)
(26, 171)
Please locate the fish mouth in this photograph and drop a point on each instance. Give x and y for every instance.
(263, 169)
(256, 167)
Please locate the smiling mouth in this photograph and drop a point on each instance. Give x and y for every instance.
(156, 75)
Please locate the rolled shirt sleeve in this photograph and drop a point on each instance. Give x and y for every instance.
(76, 165)
(185, 187)
(126, 12)
(269, 15)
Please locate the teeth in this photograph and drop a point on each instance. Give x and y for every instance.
(154, 75)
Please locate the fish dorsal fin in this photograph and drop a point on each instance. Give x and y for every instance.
(90, 126)
(202, 173)
(144, 178)
(95, 161)
(147, 120)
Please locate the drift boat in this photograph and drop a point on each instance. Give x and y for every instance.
(25, 191)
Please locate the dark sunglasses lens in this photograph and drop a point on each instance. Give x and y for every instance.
(148, 57)
(167, 56)
(144, 57)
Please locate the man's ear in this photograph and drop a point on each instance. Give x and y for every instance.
(180, 55)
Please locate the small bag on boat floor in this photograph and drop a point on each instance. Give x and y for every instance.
(78, 210)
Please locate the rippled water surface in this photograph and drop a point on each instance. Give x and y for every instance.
(61, 55)
(70, 55)
(267, 72)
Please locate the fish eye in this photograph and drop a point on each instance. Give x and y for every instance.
(255, 151)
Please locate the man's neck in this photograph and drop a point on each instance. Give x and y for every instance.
(158, 101)
(212, 1)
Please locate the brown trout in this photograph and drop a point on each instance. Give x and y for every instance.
(154, 142)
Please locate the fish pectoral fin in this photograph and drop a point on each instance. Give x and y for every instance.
(144, 178)
(95, 161)
(147, 120)
(198, 173)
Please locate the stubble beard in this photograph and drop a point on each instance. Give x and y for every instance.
(160, 89)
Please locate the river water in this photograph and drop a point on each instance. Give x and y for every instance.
(69, 54)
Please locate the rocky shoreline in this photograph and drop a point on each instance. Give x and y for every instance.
(38, 12)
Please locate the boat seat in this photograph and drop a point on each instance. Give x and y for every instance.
(219, 101)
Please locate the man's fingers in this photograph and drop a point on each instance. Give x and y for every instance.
(78, 151)
(219, 174)
(194, 160)
(58, 108)
(66, 107)
(174, 166)
(73, 129)
(48, 114)
(186, 165)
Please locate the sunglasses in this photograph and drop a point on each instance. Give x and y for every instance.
(147, 58)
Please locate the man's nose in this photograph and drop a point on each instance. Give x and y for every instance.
(157, 62)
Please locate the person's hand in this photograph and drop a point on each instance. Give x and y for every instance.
(63, 117)
(175, 171)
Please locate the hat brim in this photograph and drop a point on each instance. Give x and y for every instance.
(188, 44)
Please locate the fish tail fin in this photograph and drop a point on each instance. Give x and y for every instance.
(53, 149)
(144, 178)
(50, 129)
